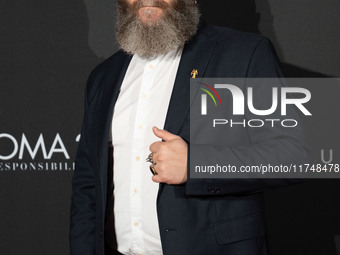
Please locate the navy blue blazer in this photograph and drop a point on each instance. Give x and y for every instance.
(202, 216)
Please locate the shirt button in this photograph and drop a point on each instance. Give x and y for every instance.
(135, 191)
(140, 126)
(145, 96)
(136, 224)
(151, 66)
(137, 158)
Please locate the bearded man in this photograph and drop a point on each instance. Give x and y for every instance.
(137, 102)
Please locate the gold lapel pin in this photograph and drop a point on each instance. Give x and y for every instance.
(194, 73)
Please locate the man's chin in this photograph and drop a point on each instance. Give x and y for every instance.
(150, 15)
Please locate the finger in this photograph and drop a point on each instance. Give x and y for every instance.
(157, 178)
(163, 134)
(154, 147)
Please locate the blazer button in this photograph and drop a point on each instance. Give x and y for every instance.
(211, 190)
(101, 234)
(214, 190)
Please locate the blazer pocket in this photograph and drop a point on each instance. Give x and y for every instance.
(239, 229)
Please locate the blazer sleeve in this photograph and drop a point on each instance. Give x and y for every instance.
(267, 145)
(82, 222)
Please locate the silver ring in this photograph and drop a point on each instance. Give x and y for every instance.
(149, 159)
(152, 166)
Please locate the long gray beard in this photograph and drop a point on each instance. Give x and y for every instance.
(174, 29)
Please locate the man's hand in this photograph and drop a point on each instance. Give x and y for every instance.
(170, 157)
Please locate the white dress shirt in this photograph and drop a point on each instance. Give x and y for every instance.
(142, 103)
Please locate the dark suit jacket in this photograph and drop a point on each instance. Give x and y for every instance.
(202, 216)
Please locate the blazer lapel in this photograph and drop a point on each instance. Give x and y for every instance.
(196, 55)
(109, 94)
